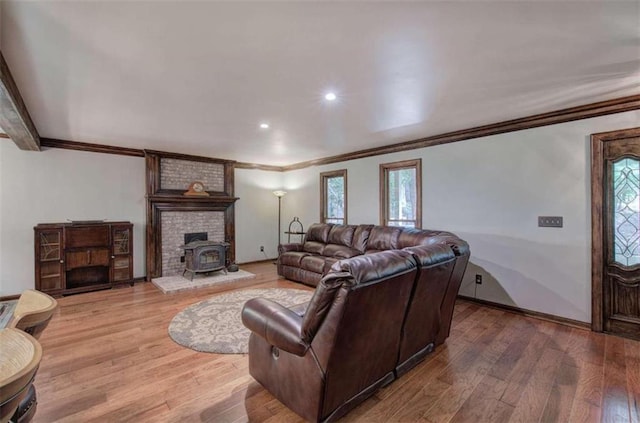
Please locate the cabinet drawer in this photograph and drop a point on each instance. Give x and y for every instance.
(86, 237)
(89, 257)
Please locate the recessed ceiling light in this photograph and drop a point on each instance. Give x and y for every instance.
(330, 96)
(264, 125)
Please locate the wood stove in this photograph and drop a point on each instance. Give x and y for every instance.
(205, 257)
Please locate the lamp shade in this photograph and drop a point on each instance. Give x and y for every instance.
(279, 193)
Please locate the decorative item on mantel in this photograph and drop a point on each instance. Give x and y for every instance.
(196, 188)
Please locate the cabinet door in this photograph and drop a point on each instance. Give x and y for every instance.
(49, 261)
(122, 257)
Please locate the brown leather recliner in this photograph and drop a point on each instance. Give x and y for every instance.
(424, 320)
(360, 326)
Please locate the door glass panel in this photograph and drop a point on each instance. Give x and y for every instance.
(626, 208)
(121, 241)
(49, 246)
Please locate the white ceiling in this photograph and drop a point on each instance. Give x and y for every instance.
(199, 77)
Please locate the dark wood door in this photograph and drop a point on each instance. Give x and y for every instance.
(621, 236)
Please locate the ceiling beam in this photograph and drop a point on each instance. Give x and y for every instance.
(14, 117)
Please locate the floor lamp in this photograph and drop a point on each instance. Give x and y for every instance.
(279, 194)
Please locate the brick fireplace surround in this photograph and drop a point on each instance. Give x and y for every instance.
(171, 214)
(174, 224)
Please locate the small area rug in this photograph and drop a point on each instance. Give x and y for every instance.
(179, 283)
(215, 325)
(6, 312)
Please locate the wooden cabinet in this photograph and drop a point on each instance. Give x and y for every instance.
(79, 257)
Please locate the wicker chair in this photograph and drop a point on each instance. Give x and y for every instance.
(33, 312)
(20, 357)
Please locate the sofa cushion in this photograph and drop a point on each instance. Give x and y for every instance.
(318, 232)
(292, 258)
(365, 268)
(340, 251)
(341, 235)
(314, 247)
(361, 237)
(412, 237)
(312, 263)
(298, 274)
(383, 238)
(431, 255)
(328, 262)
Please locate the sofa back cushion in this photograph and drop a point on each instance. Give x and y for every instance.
(341, 235)
(339, 242)
(383, 238)
(412, 237)
(361, 237)
(316, 238)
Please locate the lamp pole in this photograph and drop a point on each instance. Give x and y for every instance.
(279, 219)
(279, 194)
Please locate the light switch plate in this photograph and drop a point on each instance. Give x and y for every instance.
(550, 221)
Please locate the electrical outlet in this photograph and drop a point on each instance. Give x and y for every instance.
(550, 221)
(262, 249)
(479, 279)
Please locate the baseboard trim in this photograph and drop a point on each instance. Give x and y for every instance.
(271, 260)
(529, 313)
(10, 297)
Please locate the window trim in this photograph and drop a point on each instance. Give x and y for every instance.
(384, 182)
(324, 176)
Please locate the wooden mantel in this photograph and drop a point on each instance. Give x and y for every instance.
(161, 200)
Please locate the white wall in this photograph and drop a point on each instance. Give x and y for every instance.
(56, 185)
(257, 214)
(490, 191)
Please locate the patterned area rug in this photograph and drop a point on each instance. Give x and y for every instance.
(6, 312)
(215, 325)
(179, 283)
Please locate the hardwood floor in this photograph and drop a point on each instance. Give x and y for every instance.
(108, 358)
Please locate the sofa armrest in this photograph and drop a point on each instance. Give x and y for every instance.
(283, 248)
(278, 325)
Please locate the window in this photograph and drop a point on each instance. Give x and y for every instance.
(401, 193)
(333, 197)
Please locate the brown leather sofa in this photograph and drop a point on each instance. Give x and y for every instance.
(371, 319)
(326, 243)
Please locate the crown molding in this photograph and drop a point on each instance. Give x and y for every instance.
(257, 166)
(94, 148)
(601, 108)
